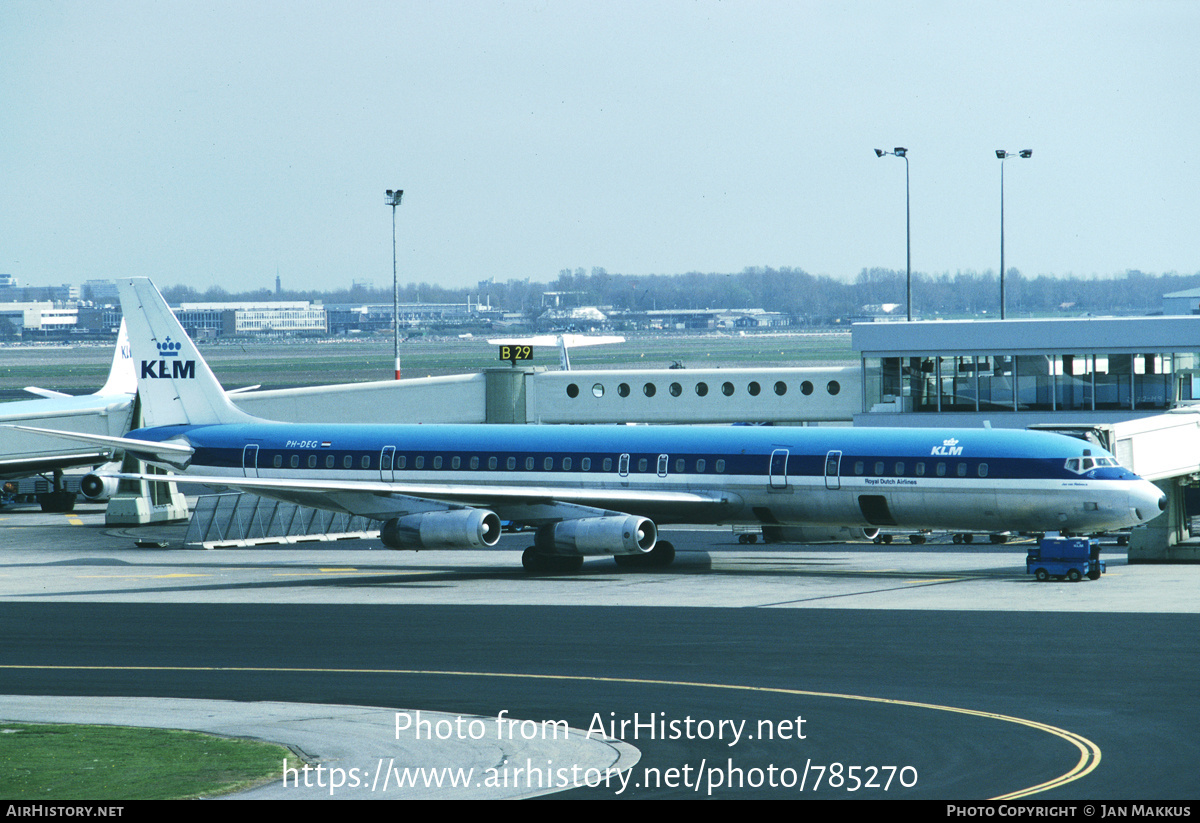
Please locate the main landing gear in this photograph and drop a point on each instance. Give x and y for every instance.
(535, 562)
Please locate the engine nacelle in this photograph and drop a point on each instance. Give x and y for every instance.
(98, 487)
(454, 529)
(816, 534)
(617, 534)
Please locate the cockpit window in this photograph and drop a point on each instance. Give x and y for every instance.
(1080, 465)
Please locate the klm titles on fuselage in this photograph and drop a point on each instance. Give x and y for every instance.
(157, 369)
(949, 448)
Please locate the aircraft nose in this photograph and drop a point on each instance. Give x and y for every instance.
(1148, 501)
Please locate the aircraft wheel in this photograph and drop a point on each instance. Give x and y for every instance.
(57, 502)
(533, 561)
(998, 538)
(661, 556)
(1042, 575)
(1074, 576)
(916, 539)
(957, 538)
(968, 538)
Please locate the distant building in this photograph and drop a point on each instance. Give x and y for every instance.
(207, 320)
(1182, 302)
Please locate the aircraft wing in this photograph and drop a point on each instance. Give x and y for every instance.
(165, 451)
(383, 500)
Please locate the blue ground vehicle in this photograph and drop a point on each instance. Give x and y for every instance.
(1065, 557)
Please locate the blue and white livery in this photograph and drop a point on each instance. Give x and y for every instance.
(601, 490)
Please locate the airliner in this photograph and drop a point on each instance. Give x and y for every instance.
(108, 411)
(603, 490)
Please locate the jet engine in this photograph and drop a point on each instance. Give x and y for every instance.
(453, 529)
(98, 487)
(616, 534)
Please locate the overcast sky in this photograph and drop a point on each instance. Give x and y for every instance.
(216, 143)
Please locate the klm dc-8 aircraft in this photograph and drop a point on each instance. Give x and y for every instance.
(601, 490)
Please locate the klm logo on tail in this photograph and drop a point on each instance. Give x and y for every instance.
(157, 369)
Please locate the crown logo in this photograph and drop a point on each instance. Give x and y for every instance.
(950, 442)
(168, 349)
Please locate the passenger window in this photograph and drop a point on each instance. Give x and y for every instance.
(586, 464)
(676, 389)
(492, 463)
(962, 469)
(701, 389)
(548, 464)
(781, 388)
(511, 463)
(312, 461)
(649, 389)
(278, 461)
(566, 464)
(899, 469)
(806, 388)
(720, 467)
(727, 389)
(455, 462)
(754, 388)
(401, 462)
(419, 461)
(859, 467)
(437, 461)
(572, 390)
(941, 469)
(879, 467)
(607, 466)
(643, 464)
(920, 470)
(366, 461)
(983, 470)
(623, 389)
(528, 464)
(329, 461)
(680, 466)
(700, 464)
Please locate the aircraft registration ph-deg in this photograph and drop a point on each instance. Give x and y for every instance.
(602, 490)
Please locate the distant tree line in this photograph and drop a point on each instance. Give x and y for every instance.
(809, 298)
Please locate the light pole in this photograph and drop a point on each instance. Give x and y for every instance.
(902, 153)
(1003, 155)
(393, 200)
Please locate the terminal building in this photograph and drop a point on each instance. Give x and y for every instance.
(1016, 373)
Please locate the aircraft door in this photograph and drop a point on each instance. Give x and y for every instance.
(779, 459)
(250, 460)
(386, 458)
(833, 463)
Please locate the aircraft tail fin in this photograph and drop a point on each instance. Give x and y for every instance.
(175, 384)
(122, 378)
